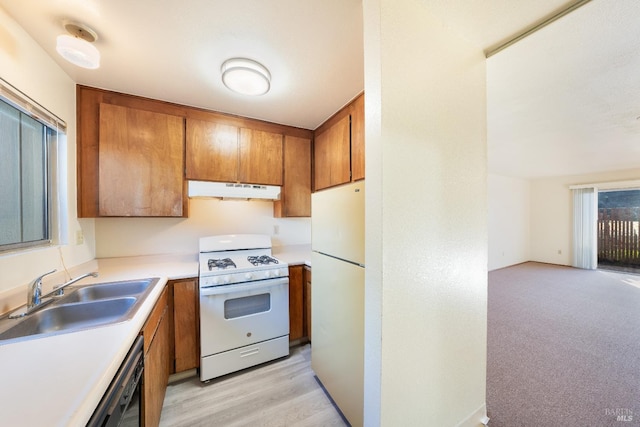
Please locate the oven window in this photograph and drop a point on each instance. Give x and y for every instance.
(245, 306)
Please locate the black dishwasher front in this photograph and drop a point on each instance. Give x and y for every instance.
(120, 405)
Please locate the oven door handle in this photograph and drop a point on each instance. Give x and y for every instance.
(252, 286)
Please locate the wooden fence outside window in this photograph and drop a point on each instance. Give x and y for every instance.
(618, 241)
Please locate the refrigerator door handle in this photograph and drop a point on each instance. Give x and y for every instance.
(340, 259)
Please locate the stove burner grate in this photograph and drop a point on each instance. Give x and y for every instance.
(262, 260)
(221, 263)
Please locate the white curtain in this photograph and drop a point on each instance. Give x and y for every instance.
(585, 220)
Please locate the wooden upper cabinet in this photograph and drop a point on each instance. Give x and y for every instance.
(211, 151)
(135, 154)
(332, 155)
(140, 162)
(338, 147)
(295, 197)
(224, 153)
(260, 157)
(357, 138)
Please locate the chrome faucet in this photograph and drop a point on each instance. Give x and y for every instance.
(34, 293)
(35, 297)
(59, 290)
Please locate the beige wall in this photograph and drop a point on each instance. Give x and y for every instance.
(426, 220)
(551, 213)
(531, 220)
(509, 221)
(26, 66)
(145, 236)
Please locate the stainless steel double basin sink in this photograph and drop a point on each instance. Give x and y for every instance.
(82, 307)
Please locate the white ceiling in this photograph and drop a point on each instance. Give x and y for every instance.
(569, 88)
(566, 99)
(172, 50)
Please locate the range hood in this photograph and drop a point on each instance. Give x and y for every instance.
(224, 190)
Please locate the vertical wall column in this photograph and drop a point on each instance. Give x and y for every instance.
(426, 220)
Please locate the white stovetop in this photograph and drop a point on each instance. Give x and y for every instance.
(59, 380)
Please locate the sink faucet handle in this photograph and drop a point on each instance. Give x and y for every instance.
(59, 290)
(35, 290)
(46, 274)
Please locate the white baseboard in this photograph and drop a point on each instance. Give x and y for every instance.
(477, 418)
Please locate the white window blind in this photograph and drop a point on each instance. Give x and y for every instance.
(31, 108)
(585, 220)
(28, 137)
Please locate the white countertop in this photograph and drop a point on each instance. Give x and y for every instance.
(293, 254)
(59, 380)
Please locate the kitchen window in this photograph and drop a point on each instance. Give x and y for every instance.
(28, 142)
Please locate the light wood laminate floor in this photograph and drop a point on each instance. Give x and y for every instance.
(280, 393)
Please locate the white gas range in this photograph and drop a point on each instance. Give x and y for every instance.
(244, 304)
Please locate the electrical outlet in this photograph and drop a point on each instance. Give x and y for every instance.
(79, 237)
(276, 229)
(559, 251)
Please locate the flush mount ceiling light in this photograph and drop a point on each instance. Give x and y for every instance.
(245, 76)
(76, 46)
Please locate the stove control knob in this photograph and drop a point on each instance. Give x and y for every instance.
(226, 279)
(215, 280)
(248, 276)
(266, 273)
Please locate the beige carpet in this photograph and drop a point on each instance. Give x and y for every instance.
(563, 347)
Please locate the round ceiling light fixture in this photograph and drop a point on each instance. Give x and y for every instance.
(76, 46)
(246, 76)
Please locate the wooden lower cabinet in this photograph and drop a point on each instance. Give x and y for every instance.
(157, 350)
(296, 305)
(306, 329)
(299, 303)
(186, 325)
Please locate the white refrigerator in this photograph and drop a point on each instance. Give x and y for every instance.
(337, 295)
